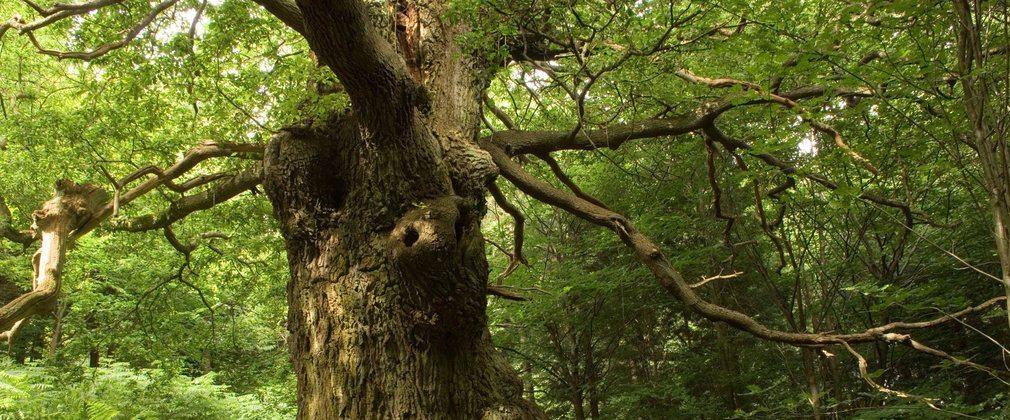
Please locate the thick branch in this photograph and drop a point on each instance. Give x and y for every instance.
(207, 150)
(287, 11)
(375, 76)
(615, 135)
(221, 191)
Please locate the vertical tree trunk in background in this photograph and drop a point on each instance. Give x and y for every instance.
(989, 124)
(206, 361)
(57, 337)
(810, 374)
(94, 355)
(592, 379)
(380, 210)
(729, 383)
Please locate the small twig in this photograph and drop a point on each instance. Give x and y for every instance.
(705, 280)
(238, 107)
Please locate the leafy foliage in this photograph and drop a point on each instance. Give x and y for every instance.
(119, 392)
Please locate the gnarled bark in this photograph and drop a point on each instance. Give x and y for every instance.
(388, 274)
(71, 208)
(380, 210)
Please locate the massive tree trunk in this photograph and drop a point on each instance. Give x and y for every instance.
(380, 209)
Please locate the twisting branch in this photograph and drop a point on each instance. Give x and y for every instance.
(72, 206)
(187, 249)
(11, 23)
(615, 135)
(28, 29)
(222, 191)
(864, 373)
(208, 149)
(184, 249)
(717, 194)
(732, 144)
(61, 11)
(518, 232)
(786, 102)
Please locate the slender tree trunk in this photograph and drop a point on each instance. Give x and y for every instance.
(810, 374)
(578, 402)
(94, 355)
(206, 361)
(592, 383)
(989, 125)
(728, 360)
(57, 337)
(94, 358)
(529, 390)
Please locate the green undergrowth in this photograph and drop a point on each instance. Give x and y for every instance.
(122, 392)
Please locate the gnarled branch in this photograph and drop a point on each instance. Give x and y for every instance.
(78, 209)
(68, 11)
(207, 150)
(223, 190)
(615, 135)
(786, 102)
(72, 206)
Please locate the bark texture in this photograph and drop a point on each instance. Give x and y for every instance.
(381, 210)
(72, 207)
(388, 276)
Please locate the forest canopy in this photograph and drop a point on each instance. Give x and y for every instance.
(504, 210)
